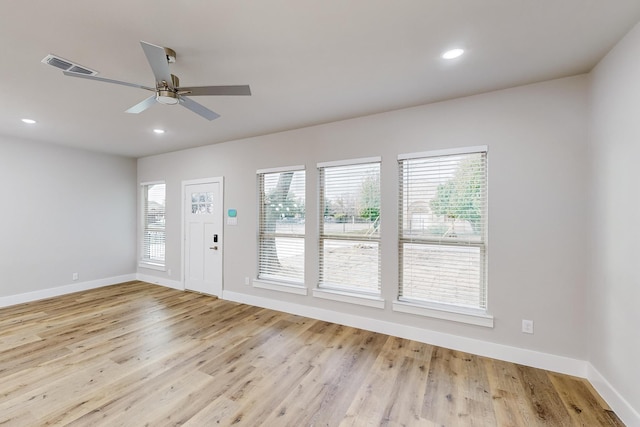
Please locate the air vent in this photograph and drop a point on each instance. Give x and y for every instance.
(63, 64)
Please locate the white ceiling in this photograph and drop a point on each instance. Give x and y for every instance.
(308, 62)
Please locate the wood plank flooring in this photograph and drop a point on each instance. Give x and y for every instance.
(136, 354)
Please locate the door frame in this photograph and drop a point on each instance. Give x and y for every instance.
(183, 237)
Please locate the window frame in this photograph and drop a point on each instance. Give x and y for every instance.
(274, 282)
(339, 291)
(449, 311)
(144, 262)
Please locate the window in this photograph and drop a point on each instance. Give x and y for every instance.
(202, 203)
(281, 224)
(442, 228)
(349, 234)
(153, 235)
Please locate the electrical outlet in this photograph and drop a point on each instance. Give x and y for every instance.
(75, 276)
(527, 326)
(246, 281)
(169, 272)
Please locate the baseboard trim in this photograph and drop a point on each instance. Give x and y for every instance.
(521, 356)
(618, 404)
(63, 290)
(173, 284)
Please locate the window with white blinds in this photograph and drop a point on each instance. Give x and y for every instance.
(443, 228)
(349, 234)
(281, 224)
(153, 236)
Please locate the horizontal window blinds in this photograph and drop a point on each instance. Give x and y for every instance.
(281, 226)
(442, 228)
(349, 241)
(153, 240)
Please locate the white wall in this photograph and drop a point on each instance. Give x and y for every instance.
(63, 211)
(537, 200)
(614, 292)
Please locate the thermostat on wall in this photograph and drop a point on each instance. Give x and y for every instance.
(232, 217)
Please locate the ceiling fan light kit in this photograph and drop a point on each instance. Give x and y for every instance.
(166, 97)
(164, 94)
(167, 88)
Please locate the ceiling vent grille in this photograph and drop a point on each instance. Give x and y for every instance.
(65, 65)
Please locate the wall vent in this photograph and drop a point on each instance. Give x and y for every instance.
(66, 65)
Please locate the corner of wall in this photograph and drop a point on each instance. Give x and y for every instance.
(615, 400)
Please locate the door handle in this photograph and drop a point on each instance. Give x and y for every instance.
(215, 248)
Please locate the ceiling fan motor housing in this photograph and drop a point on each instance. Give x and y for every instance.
(168, 94)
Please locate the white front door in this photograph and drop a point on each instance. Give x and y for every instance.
(203, 213)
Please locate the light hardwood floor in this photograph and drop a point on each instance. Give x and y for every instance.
(137, 354)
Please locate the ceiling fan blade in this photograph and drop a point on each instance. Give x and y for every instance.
(141, 106)
(198, 109)
(217, 90)
(158, 61)
(102, 79)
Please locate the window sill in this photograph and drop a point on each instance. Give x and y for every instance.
(349, 297)
(152, 266)
(281, 287)
(461, 315)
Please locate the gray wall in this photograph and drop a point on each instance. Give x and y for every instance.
(537, 201)
(64, 211)
(614, 316)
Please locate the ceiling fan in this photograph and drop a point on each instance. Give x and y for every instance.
(167, 88)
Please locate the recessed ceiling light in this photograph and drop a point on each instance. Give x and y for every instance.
(29, 121)
(453, 53)
(158, 131)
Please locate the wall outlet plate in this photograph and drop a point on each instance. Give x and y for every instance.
(527, 326)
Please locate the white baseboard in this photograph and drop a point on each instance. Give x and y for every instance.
(85, 286)
(173, 284)
(521, 356)
(618, 404)
(63, 290)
